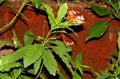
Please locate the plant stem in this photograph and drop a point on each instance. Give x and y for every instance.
(12, 7)
(9, 25)
(46, 38)
(39, 71)
(110, 19)
(48, 34)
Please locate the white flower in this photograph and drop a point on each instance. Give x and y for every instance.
(79, 19)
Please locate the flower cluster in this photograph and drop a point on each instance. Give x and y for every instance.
(73, 16)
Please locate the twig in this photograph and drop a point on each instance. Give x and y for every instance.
(9, 25)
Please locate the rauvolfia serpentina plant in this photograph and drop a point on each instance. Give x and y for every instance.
(99, 28)
(30, 60)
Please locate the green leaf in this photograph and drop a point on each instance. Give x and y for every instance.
(32, 55)
(50, 13)
(62, 12)
(97, 29)
(37, 3)
(16, 73)
(58, 31)
(101, 77)
(79, 59)
(118, 40)
(5, 76)
(106, 75)
(16, 41)
(76, 76)
(49, 62)
(19, 54)
(118, 70)
(118, 2)
(100, 11)
(37, 65)
(61, 53)
(113, 5)
(8, 3)
(66, 49)
(80, 69)
(67, 25)
(28, 38)
(78, 62)
(63, 25)
(9, 66)
(31, 71)
(6, 43)
(61, 75)
(10, 58)
(1, 1)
